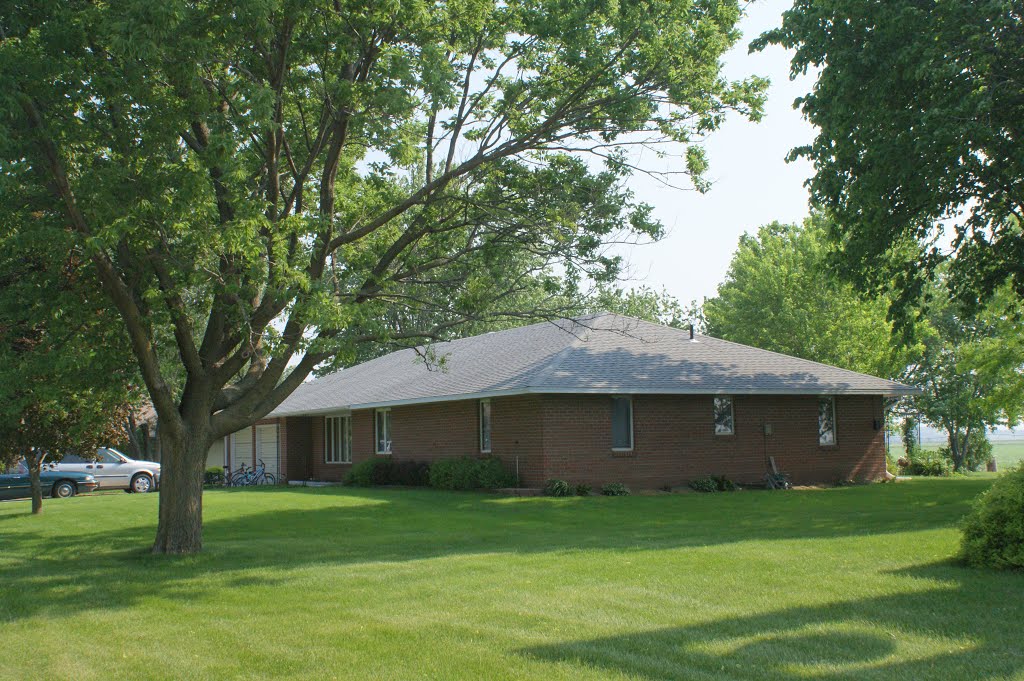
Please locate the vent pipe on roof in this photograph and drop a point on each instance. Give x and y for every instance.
(691, 330)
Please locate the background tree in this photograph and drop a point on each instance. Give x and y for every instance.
(919, 106)
(266, 185)
(63, 421)
(779, 295)
(641, 302)
(909, 435)
(65, 374)
(970, 369)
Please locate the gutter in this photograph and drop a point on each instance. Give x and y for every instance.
(903, 391)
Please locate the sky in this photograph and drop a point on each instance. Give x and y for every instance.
(752, 183)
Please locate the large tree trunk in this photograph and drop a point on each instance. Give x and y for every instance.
(35, 462)
(956, 450)
(132, 431)
(180, 529)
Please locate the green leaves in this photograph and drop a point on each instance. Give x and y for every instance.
(970, 363)
(779, 295)
(66, 377)
(257, 180)
(919, 108)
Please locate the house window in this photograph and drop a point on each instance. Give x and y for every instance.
(485, 426)
(827, 421)
(382, 417)
(724, 420)
(622, 423)
(337, 439)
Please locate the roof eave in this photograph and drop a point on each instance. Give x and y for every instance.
(901, 391)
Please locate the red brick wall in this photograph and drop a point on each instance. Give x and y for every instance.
(517, 436)
(427, 432)
(674, 440)
(569, 437)
(317, 467)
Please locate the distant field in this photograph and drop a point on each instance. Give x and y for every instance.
(1007, 454)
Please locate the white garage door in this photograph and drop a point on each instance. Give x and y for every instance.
(215, 457)
(266, 448)
(241, 448)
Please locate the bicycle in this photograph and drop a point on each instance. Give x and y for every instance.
(247, 477)
(261, 476)
(240, 477)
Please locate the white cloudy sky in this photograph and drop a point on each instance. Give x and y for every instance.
(753, 184)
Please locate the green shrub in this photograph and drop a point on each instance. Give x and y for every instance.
(993, 532)
(491, 474)
(362, 474)
(705, 484)
(462, 474)
(724, 484)
(469, 473)
(557, 488)
(214, 476)
(385, 471)
(614, 489)
(583, 490)
(442, 474)
(410, 474)
(925, 462)
(891, 464)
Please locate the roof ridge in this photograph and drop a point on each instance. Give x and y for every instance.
(555, 360)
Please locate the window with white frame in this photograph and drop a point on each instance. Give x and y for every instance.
(337, 439)
(485, 426)
(622, 423)
(826, 421)
(725, 423)
(382, 419)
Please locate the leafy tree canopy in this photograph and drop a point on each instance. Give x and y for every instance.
(66, 379)
(641, 302)
(274, 183)
(779, 295)
(969, 367)
(919, 106)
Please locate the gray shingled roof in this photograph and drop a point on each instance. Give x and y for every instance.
(604, 353)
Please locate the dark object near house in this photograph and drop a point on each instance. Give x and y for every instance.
(16, 484)
(705, 484)
(594, 400)
(615, 489)
(714, 483)
(557, 488)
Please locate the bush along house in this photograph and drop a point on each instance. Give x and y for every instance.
(593, 400)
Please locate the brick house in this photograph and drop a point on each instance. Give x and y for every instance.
(598, 399)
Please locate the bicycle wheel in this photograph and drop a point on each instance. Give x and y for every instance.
(269, 479)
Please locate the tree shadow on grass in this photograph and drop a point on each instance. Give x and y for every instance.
(286, 529)
(973, 623)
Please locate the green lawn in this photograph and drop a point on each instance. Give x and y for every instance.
(851, 583)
